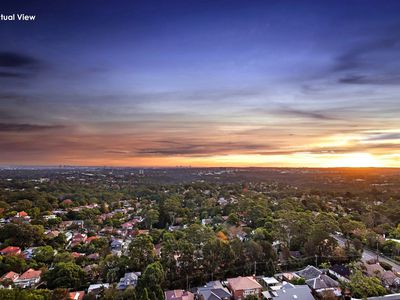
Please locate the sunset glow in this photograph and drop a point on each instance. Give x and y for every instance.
(192, 84)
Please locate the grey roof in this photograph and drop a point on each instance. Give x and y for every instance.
(129, 279)
(299, 292)
(309, 272)
(214, 290)
(215, 294)
(341, 270)
(322, 282)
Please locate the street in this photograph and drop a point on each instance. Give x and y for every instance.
(368, 254)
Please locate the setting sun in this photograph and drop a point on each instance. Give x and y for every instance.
(354, 160)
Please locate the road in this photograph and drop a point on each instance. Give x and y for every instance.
(368, 254)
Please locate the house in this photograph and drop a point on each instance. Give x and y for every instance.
(309, 272)
(22, 214)
(10, 276)
(76, 223)
(242, 236)
(286, 276)
(76, 295)
(91, 239)
(51, 234)
(178, 295)
(77, 254)
(241, 287)
(10, 250)
(117, 244)
(79, 238)
(94, 256)
(222, 201)
(374, 270)
(324, 283)
(205, 222)
(67, 202)
(29, 278)
(290, 292)
(29, 252)
(339, 271)
(97, 288)
(213, 290)
(49, 217)
(389, 279)
(128, 225)
(271, 283)
(129, 279)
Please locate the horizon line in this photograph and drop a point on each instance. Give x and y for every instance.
(60, 166)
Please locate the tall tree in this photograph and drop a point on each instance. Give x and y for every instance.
(141, 252)
(65, 275)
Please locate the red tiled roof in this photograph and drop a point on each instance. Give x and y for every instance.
(76, 295)
(11, 250)
(10, 275)
(92, 238)
(242, 283)
(76, 254)
(30, 274)
(22, 214)
(178, 295)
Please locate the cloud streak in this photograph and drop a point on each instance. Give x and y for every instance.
(17, 60)
(10, 127)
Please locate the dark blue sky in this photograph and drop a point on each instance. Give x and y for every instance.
(200, 82)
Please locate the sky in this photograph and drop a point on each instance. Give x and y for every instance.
(201, 83)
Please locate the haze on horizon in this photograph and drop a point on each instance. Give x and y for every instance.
(201, 83)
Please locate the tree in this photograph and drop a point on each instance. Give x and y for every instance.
(151, 217)
(44, 254)
(171, 207)
(60, 294)
(233, 219)
(65, 275)
(12, 263)
(141, 252)
(199, 235)
(22, 235)
(362, 286)
(320, 243)
(113, 267)
(293, 228)
(152, 279)
(145, 295)
(217, 254)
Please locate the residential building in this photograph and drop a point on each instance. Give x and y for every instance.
(97, 288)
(28, 279)
(241, 287)
(213, 290)
(178, 295)
(10, 276)
(10, 250)
(271, 283)
(129, 279)
(76, 295)
(309, 272)
(324, 283)
(290, 292)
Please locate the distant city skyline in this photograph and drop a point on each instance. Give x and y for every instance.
(201, 83)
